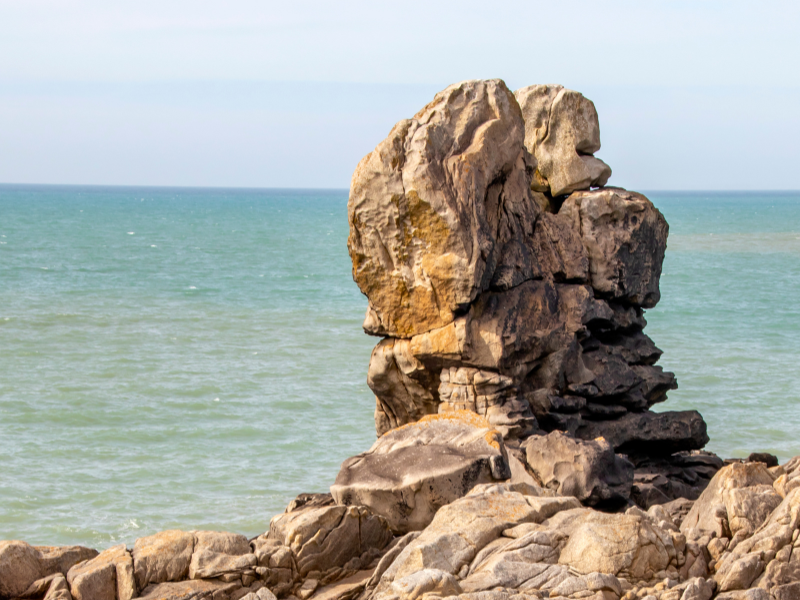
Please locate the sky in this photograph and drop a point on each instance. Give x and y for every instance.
(695, 94)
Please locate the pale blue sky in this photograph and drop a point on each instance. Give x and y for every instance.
(691, 95)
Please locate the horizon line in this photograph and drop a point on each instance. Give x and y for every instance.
(343, 189)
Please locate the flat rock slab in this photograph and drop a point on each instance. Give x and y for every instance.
(414, 470)
(650, 433)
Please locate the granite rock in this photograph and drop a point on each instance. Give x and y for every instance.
(709, 513)
(108, 576)
(162, 557)
(20, 566)
(562, 131)
(58, 589)
(326, 537)
(414, 470)
(588, 470)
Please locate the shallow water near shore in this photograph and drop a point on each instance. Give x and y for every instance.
(193, 358)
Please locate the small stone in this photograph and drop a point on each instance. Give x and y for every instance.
(764, 457)
(59, 589)
(717, 546)
(308, 588)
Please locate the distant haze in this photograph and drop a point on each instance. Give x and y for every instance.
(691, 95)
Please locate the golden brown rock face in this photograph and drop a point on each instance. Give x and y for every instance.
(423, 239)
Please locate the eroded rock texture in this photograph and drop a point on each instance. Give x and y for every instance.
(505, 282)
(414, 470)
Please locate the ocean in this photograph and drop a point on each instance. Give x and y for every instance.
(193, 358)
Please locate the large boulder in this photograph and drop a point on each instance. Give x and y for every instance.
(771, 551)
(624, 545)
(425, 228)
(162, 557)
(789, 478)
(414, 470)
(662, 479)
(322, 538)
(588, 470)
(218, 553)
(563, 132)
(709, 514)
(108, 576)
(20, 566)
(60, 559)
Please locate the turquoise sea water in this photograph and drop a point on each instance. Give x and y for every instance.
(193, 358)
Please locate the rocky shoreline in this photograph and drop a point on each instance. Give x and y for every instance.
(518, 454)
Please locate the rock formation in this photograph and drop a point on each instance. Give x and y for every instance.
(505, 282)
(518, 457)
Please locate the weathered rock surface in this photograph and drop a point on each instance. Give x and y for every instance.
(58, 589)
(162, 557)
(29, 571)
(789, 477)
(424, 242)
(728, 489)
(20, 566)
(667, 479)
(60, 559)
(625, 240)
(506, 280)
(107, 576)
(588, 470)
(494, 543)
(414, 470)
(460, 530)
(625, 545)
(562, 132)
(199, 589)
(650, 433)
(327, 537)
